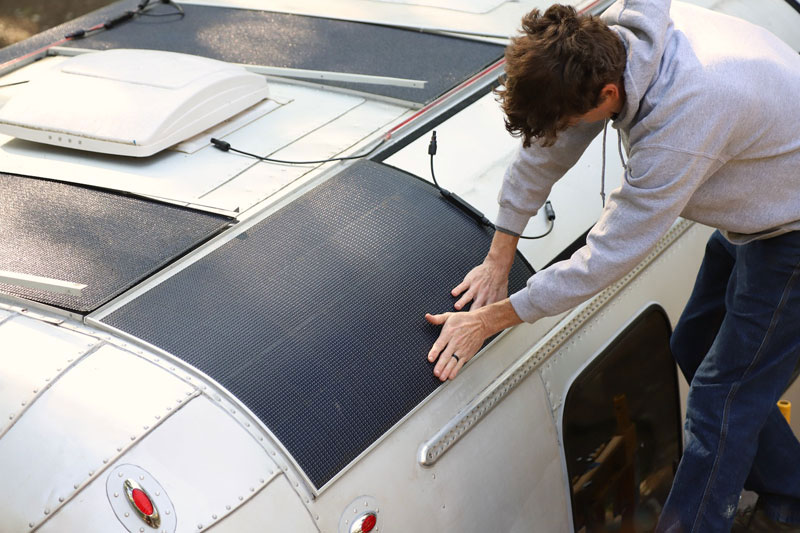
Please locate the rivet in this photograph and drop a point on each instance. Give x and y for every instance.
(61, 499)
(214, 516)
(166, 512)
(127, 515)
(119, 449)
(141, 478)
(10, 417)
(116, 494)
(58, 370)
(241, 498)
(120, 474)
(30, 524)
(172, 368)
(158, 493)
(273, 453)
(105, 461)
(23, 404)
(141, 530)
(261, 481)
(228, 507)
(133, 437)
(246, 424)
(75, 486)
(35, 391)
(169, 408)
(199, 526)
(91, 473)
(146, 428)
(316, 517)
(47, 511)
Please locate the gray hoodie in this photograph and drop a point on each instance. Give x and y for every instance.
(711, 124)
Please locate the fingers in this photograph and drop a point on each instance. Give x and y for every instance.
(464, 300)
(445, 359)
(441, 341)
(461, 287)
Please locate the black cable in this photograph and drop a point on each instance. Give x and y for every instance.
(12, 84)
(474, 213)
(178, 10)
(226, 146)
(141, 10)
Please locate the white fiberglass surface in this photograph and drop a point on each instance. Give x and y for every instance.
(474, 150)
(297, 123)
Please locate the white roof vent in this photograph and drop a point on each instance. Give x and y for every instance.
(130, 102)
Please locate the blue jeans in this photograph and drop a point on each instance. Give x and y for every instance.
(737, 343)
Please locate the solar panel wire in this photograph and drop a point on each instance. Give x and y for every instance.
(141, 10)
(432, 147)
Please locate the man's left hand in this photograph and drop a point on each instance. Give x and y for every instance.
(462, 336)
(464, 333)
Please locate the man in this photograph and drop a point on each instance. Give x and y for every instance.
(707, 107)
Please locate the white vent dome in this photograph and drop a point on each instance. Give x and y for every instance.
(130, 102)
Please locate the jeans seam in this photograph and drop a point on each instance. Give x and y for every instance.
(735, 388)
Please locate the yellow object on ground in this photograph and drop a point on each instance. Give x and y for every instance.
(786, 409)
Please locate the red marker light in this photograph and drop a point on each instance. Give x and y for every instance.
(364, 523)
(142, 502)
(368, 524)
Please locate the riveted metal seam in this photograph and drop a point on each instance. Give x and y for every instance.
(49, 381)
(431, 450)
(121, 450)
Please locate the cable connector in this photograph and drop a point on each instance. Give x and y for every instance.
(221, 145)
(119, 20)
(77, 34)
(432, 144)
(549, 212)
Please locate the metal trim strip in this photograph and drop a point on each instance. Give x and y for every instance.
(431, 450)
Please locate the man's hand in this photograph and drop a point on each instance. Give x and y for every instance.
(487, 283)
(463, 334)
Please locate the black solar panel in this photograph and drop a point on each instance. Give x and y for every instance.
(314, 318)
(104, 240)
(293, 41)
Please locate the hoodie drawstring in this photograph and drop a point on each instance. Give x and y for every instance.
(621, 159)
(603, 171)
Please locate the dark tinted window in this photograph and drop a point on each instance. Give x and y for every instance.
(622, 436)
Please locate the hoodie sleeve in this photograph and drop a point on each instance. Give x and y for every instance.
(658, 184)
(533, 172)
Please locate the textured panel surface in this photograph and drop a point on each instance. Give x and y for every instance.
(282, 40)
(103, 240)
(314, 318)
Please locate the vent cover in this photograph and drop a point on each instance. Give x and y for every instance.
(129, 102)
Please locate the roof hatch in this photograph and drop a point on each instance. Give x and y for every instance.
(130, 102)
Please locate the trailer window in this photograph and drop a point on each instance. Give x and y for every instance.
(622, 436)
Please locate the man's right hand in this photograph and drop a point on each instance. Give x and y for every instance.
(487, 283)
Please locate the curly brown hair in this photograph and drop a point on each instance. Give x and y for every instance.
(555, 70)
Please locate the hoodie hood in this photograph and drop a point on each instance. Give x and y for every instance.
(643, 26)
